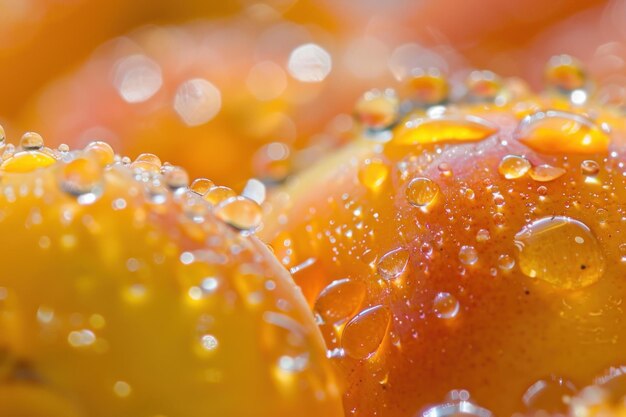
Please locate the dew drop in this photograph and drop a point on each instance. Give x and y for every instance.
(513, 166)
(560, 251)
(468, 255)
(445, 305)
(393, 264)
(340, 300)
(201, 186)
(364, 334)
(559, 132)
(209, 342)
(272, 162)
(149, 158)
(31, 141)
(373, 173)
(421, 191)
(506, 262)
(216, 195)
(483, 86)
(483, 235)
(426, 88)
(240, 212)
(101, 152)
(545, 173)
(377, 110)
(589, 168)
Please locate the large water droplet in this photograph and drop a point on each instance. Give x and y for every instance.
(421, 191)
(513, 166)
(565, 75)
(393, 264)
(241, 213)
(560, 251)
(31, 141)
(445, 305)
(340, 300)
(363, 334)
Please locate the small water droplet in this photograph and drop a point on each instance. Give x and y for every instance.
(273, 162)
(426, 87)
(377, 110)
(31, 141)
(209, 342)
(240, 212)
(445, 305)
(545, 173)
(201, 186)
(216, 195)
(101, 152)
(513, 166)
(340, 300)
(458, 403)
(483, 86)
(506, 262)
(373, 173)
(560, 251)
(564, 74)
(149, 158)
(421, 191)
(393, 264)
(589, 168)
(483, 235)
(364, 334)
(468, 255)
(82, 178)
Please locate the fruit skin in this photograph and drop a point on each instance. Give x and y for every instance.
(105, 307)
(510, 330)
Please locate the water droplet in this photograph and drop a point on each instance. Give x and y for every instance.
(559, 132)
(602, 215)
(82, 178)
(545, 173)
(468, 255)
(309, 63)
(201, 186)
(373, 173)
(564, 74)
(506, 262)
(216, 195)
(208, 342)
(240, 212)
(483, 86)
(101, 152)
(513, 166)
(458, 404)
(31, 141)
(549, 394)
(176, 178)
(426, 88)
(340, 300)
(197, 101)
(590, 168)
(393, 264)
(137, 78)
(364, 334)
(149, 158)
(560, 251)
(421, 191)
(445, 305)
(443, 129)
(377, 110)
(483, 235)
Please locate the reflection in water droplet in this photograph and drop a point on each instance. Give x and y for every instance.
(483, 86)
(393, 264)
(513, 166)
(373, 173)
(240, 212)
(558, 132)
(546, 173)
(82, 178)
(468, 255)
(364, 334)
(31, 141)
(201, 186)
(340, 300)
(309, 63)
(421, 191)
(137, 78)
(197, 101)
(445, 305)
(560, 251)
(377, 109)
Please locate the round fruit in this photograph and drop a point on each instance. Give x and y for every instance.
(125, 292)
(477, 248)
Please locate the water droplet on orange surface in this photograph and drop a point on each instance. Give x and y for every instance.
(483, 235)
(31, 141)
(240, 212)
(565, 74)
(445, 305)
(483, 86)
(176, 178)
(468, 255)
(558, 132)
(513, 166)
(393, 264)
(443, 129)
(340, 300)
(545, 173)
(421, 191)
(373, 173)
(589, 168)
(364, 334)
(82, 178)
(426, 88)
(560, 251)
(201, 186)
(377, 110)
(101, 152)
(506, 262)
(216, 195)
(549, 394)
(150, 158)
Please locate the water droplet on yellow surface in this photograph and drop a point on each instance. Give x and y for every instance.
(201, 186)
(373, 173)
(545, 173)
(31, 141)
(364, 334)
(468, 255)
(443, 129)
(272, 162)
(209, 342)
(340, 300)
(240, 212)
(82, 178)
(150, 158)
(560, 251)
(377, 109)
(421, 191)
(445, 305)
(513, 166)
(426, 87)
(558, 132)
(393, 264)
